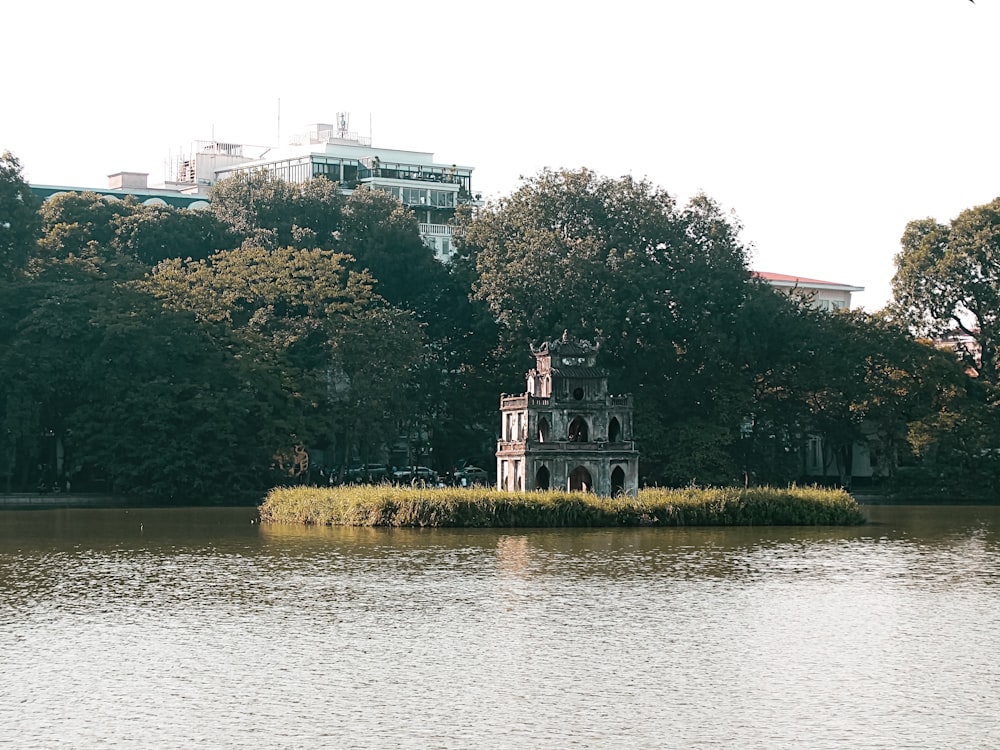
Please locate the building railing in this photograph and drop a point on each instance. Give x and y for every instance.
(443, 177)
(315, 137)
(439, 230)
(524, 400)
(565, 446)
(216, 147)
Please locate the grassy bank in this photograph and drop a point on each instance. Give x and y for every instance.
(386, 505)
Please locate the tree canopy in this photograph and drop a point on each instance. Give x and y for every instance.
(340, 353)
(948, 281)
(947, 288)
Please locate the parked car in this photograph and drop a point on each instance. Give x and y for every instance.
(414, 475)
(470, 476)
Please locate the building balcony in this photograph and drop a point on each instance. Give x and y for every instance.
(514, 402)
(435, 230)
(523, 401)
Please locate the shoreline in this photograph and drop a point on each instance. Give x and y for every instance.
(27, 500)
(865, 498)
(98, 501)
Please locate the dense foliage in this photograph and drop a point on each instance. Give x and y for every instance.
(19, 222)
(186, 355)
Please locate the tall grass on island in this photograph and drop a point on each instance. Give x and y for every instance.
(388, 505)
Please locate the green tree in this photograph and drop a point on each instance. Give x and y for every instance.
(19, 223)
(948, 280)
(779, 337)
(150, 234)
(665, 285)
(171, 411)
(849, 378)
(102, 389)
(372, 226)
(342, 355)
(125, 237)
(272, 213)
(957, 443)
(78, 234)
(383, 236)
(905, 381)
(45, 335)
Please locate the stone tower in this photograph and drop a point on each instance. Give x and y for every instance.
(567, 432)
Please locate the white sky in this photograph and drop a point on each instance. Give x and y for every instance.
(825, 126)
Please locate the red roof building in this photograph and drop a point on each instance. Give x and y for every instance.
(824, 295)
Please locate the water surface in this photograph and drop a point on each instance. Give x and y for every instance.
(199, 628)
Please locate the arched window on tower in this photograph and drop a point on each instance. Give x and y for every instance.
(543, 430)
(614, 430)
(577, 432)
(580, 481)
(617, 482)
(542, 478)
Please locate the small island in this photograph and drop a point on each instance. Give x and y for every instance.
(391, 506)
(565, 458)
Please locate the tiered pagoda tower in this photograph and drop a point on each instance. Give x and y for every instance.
(566, 431)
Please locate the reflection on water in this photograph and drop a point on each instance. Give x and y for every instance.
(201, 628)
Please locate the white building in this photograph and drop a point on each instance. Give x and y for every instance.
(432, 189)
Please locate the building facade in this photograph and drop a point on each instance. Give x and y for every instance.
(431, 189)
(566, 431)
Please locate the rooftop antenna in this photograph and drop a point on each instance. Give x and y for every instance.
(342, 121)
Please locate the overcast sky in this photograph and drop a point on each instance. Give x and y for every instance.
(824, 126)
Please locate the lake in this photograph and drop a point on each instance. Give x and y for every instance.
(146, 628)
